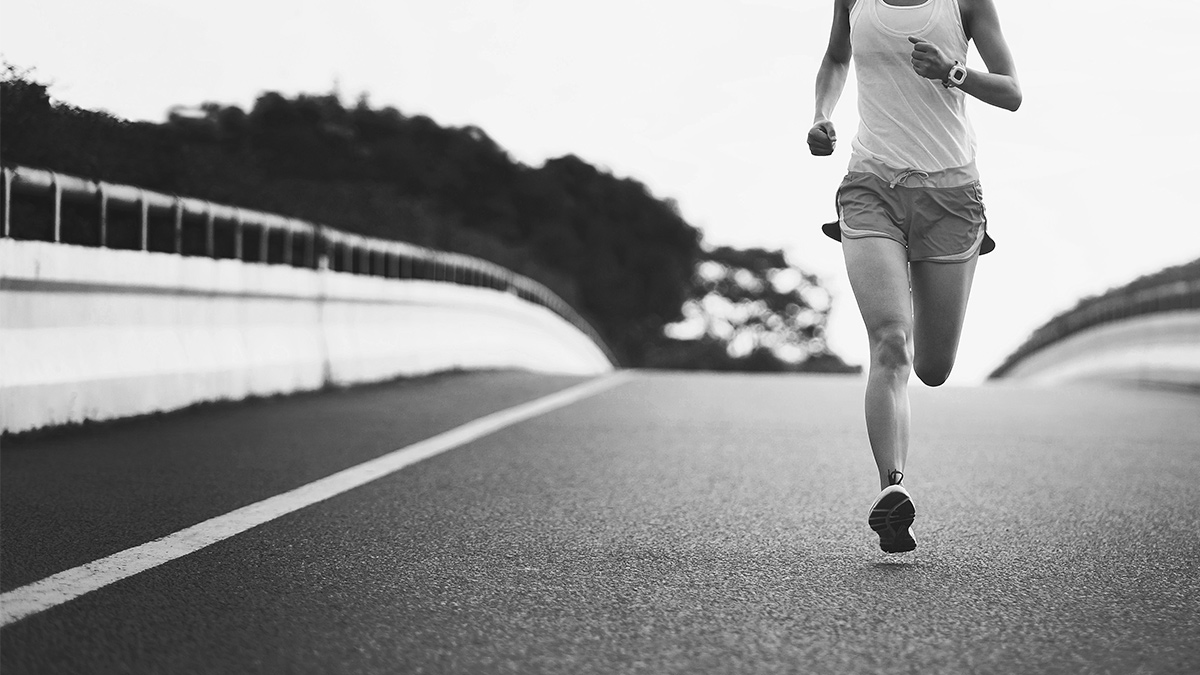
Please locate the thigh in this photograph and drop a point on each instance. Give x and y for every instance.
(878, 271)
(939, 297)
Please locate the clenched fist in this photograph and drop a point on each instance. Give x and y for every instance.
(822, 138)
(929, 61)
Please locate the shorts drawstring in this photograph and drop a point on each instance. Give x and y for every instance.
(903, 176)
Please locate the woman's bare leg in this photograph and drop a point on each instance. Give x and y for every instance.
(878, 271)
(939, 297)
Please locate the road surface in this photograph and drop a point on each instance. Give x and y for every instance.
(661, 523)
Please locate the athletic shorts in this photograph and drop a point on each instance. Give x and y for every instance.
(935, 224)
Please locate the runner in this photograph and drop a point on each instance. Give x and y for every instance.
(910, 210)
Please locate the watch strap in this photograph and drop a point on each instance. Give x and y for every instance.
(952, 81)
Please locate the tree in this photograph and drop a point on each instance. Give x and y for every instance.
(749, 309)
(623, 257)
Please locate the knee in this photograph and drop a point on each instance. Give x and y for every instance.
(890, 347)
(933, 372)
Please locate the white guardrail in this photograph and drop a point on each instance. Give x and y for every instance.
(223, 303)
(279, 239)
(1158, 348)
(1149, 335)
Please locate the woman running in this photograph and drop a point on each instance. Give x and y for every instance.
(910, 210)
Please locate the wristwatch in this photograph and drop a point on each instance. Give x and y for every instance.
(956, 76)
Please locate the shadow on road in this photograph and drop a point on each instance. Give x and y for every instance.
(894, 566)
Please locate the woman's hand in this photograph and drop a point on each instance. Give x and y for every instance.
(929, 61)
(822, 138)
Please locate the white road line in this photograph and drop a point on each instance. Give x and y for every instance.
(65, 586)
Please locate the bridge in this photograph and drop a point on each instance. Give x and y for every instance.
(1146, 332)
(515, 503)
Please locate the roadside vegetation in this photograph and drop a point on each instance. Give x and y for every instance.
(624, 258)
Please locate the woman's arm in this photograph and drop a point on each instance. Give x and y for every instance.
(999, 85)
(831, 80)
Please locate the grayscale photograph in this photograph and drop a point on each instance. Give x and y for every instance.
(709, 337)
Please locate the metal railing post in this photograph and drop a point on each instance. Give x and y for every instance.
(8, 181)
(145, 220)
(237, 236)
(57, 208)
(103, 217)
(288, 242)
(310, 249)
(178, 226)
(210, 236)
(263, 240)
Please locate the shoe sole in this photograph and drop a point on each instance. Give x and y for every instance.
(890, 518)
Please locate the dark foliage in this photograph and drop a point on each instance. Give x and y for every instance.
(622, 257)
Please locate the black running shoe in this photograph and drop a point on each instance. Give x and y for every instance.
(892, 517)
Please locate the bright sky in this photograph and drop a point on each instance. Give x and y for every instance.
(707, 102)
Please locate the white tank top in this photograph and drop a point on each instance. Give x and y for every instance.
(908, 121)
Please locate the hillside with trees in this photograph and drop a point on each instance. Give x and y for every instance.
(625, 259)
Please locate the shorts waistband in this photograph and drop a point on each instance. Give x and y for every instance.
(953, 177)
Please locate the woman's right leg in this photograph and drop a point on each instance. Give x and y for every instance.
(878, 271)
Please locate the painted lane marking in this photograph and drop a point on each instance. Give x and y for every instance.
(59, 588)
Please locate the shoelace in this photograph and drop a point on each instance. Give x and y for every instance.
(893, 479)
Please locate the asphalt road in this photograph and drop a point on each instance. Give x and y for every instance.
(671, 524)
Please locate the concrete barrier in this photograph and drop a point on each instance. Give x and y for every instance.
(1161, 348)
(95, 334)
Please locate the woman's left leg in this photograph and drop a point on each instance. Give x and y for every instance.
(939, 296)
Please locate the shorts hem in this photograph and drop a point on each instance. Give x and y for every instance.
(942, 260)
(872, 234)
(973, 251)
